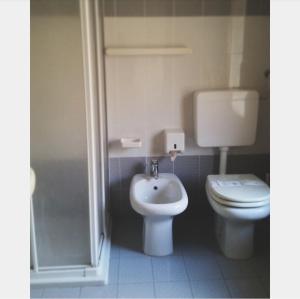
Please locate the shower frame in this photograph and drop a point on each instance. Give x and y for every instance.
(99, 223)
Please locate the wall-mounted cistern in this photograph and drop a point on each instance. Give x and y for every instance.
(154, 169)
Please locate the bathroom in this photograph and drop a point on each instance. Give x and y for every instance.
(117, 91)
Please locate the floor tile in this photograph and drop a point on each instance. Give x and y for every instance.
(36, 292)
(136, 290)
(170, 268)
(198, 248)
(266, 284)
(114, 251)
(108, 291)
(213, 288)
(131, 252)
(202, 267)
(262, 265)
(64, 292)
(113, 271)
(129, 241)
(130, 244)
(237, 268)
(176, 249)
(246, 288)
(135, 270)
(177, 289)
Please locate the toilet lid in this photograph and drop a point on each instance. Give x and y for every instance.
(238, 188)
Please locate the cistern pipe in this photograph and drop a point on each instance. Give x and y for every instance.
(223, 159)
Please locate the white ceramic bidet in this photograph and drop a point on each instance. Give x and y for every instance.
(158, 200)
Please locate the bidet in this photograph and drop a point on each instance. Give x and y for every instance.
(158, 200)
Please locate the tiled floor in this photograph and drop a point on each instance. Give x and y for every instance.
(195, 270)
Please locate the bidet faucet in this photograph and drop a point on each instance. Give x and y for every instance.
(154, 168)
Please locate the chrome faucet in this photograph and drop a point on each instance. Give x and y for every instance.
(154, 168)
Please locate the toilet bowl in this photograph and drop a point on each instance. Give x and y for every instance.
(238, 201)
(158, 200)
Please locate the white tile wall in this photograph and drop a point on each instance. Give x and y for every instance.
(146, 94)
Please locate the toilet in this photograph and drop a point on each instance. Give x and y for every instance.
(238, 201)
(222, 119)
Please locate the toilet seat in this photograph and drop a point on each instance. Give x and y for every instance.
(240, 191)
(239, 204)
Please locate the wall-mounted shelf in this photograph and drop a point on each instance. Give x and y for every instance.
(131, 142)
(115, 51)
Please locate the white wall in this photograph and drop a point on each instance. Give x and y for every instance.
(148, 94)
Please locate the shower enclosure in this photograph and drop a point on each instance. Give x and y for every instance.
(70, 238)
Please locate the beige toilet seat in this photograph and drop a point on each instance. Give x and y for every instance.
(238, 204)
(239, 191)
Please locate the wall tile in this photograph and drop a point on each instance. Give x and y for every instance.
(130, 8)
(216, 7)
(109, 7)
(187, 169)
(238, 7)
(164, 164)
(256, 164)
(258, 7)
(115, 184)
(265, 7)
(158, 8)
(208, 165)
(129, 167)
(188, 8)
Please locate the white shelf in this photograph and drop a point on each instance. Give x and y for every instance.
(115, 51)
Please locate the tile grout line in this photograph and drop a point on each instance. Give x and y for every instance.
(80, 291)
(223, 277)
(261, 280)
(188, 276)
(118, 274)
(153, 283)
(189, 280)
(118, 271)
(43, 291)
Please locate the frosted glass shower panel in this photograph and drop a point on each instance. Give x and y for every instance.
(58, 134)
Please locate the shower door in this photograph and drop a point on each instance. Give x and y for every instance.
(63, 150)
